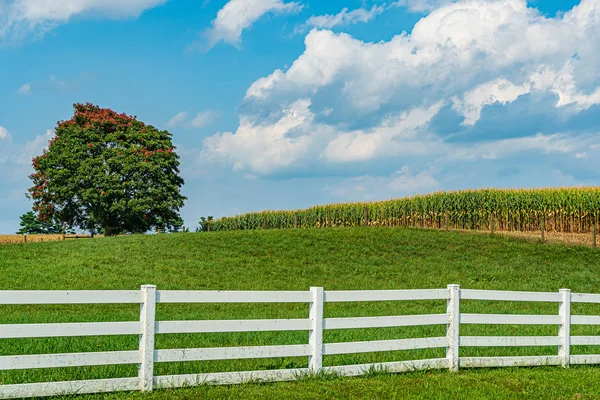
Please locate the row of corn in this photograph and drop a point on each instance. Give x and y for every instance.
(555, 210)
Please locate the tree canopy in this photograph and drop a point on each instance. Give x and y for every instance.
(107, 171)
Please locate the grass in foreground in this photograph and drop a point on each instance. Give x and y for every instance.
(512, 383)
(358, 258)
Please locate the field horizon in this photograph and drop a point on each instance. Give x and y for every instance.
(336, 259)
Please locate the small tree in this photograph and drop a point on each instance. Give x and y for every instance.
(173, 226)
(31, 224)
(107, 171)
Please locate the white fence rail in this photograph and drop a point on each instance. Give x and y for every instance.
(147, 327)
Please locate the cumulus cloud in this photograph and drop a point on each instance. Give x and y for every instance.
(198, 120)
(23, 18)
(238, 15)
(366, 101)
(397, 134)
(499, 90)
(343, 18)
(265, 147)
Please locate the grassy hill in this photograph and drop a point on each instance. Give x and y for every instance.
(352, 258)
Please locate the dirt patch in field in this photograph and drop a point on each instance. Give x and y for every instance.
(585, 239)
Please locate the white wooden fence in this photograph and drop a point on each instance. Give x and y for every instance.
(147, 328)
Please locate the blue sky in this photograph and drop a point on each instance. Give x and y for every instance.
(285, 104)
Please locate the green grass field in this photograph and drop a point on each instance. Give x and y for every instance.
(353, 258)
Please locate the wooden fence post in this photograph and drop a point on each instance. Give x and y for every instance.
(492, 223)
(147, 319)
(446, 220)
(453, 327)
(24, 238)
(594, 234)
(329, 217)
(564, 351)
(315, 339)
(265, 222)
(295, 220)
(366, 216)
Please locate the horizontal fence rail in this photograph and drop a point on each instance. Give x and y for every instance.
(146, 328)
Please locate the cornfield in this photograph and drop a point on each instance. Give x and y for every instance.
(14, 239)
(566, 210)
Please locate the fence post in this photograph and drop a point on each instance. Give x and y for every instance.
(147, 319)
(453, 327)
(492, 223)
(24, 238)
(366, 216)
(295, 220)
(315, 339)
(564, 351)
(594, 234)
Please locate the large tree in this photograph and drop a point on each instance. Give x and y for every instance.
(107, 171)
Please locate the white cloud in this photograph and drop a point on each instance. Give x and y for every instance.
(204, 118)
(564, 84)
(344, 17)
(419, 6)
(238, 15)
(450, 51)
(21, 18)
(25, 89)
(199, 120)
(398, 134)
(470, 53)
(178, 119)
(3, 133)
(498, 91)
(561, 143)
(264, 147)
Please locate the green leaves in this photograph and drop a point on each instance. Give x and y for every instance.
(109, 171)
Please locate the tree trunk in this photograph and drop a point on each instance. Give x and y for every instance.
(110, 231)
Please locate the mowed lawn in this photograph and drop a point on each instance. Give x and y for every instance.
(357, 258)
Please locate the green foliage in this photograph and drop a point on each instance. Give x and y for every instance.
(564, 209)
(31, 224)
(173, 226)
(108, 171)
